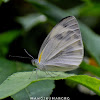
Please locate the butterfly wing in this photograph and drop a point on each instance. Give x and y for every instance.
(63, 47)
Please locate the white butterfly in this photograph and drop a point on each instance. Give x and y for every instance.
(62, 50)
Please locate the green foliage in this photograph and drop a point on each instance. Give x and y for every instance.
(90, 37)
(20, 80)
(42, 89)
(6, 69)
(9, 67)
(93, 69)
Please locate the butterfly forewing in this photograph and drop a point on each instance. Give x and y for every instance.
(58, 28)
(63, 46)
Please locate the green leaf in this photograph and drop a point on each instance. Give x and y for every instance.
(37, 89)
(31, 20)
(90, 39)
(93, 69)
(6, 69)
(9, 36)
(21, 80)
(9, 67)
(91, 83)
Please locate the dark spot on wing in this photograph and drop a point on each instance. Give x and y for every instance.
(77, 31)
(65, 18)
(59, 36)
(74, 26)
(76, 36)
(69, 53)
(68, 37)
(69, 32)
(68, 23)
(69, 48)
(65, 24)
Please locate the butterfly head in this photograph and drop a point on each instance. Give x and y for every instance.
(34, 62)
(39, 66)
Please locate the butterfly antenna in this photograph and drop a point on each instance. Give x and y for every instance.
(18, 56)
(28, 54)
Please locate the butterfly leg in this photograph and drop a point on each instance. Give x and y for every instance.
(48, 73)
(55, 74)
(35, 69)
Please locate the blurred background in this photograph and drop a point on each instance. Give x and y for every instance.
(24, 24)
